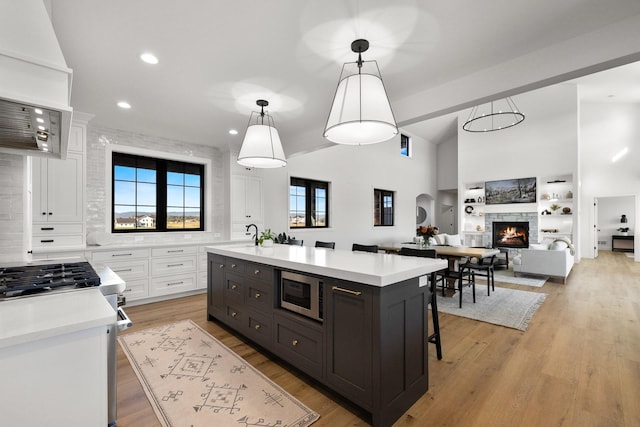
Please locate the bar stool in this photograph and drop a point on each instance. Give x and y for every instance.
(434, 338)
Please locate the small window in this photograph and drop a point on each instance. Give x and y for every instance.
(382, 207)
(405, 145)
(308, 203)
(152, 194)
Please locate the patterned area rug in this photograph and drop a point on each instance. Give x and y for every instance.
(193, 380)
(505, 307)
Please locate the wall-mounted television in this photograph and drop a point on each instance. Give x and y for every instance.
(520, 190)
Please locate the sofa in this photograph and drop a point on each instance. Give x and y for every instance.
(553, 259)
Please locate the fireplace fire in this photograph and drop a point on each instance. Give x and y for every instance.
(511, 234)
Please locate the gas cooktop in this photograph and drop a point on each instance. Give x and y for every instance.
(38, 279)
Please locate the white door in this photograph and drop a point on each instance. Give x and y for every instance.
(595, 228)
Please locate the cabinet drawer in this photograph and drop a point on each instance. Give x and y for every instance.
(235, 266)
(136, 289)
(177, 251)
(260, 295)
(299, 344)
(236, 317)
(260, 272)
(57, 240)
(260, 328)
(162, 266)
(234, 288)
(56, 228)
(173, 284)
(132, 269)
(120, 254)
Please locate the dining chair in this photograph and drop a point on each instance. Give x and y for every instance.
(435, 337)
(463, 276)
(364, 248)
(295, 242)
(485, 268)
(330, 245)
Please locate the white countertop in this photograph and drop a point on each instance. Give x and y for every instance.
(38, 317)
(362, 267)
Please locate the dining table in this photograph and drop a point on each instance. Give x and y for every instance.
(452, 253)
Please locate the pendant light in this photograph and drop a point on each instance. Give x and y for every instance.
(261, 147)
(360, 113)
(492, 116)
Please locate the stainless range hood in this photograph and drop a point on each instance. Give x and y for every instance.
(35, 83)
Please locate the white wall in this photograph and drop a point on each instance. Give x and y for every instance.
(353, 173)
(606, 128)
(545, 144)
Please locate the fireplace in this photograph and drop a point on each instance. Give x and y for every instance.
(511, 234)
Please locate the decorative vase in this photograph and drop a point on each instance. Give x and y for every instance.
(267, 243)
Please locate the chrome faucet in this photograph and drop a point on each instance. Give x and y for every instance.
(256, 236)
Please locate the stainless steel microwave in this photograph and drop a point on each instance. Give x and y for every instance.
(301, 294)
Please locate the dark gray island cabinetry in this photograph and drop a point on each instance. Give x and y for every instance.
(371, 346)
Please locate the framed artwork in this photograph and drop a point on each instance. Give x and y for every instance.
(520, 190)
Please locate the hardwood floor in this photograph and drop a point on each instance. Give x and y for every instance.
(578, 364)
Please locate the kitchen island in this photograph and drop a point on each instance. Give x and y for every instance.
(370, 345)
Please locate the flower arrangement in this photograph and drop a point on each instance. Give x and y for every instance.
(427, 231)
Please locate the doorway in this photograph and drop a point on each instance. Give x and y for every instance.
(609, 221)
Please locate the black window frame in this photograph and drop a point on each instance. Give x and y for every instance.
(310, 186)
(380, 216)
(162, 167)
(405, 140)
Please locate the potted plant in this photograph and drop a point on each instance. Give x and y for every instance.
(266, 238)
(624, 231)
(554, 207)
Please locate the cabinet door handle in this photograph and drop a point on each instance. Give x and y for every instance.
(294, 343)
(176, 250)
(234, 287)
(121, 254)
(221, 266)
(233, 266)
(44, 213)
(234, 314)
(257, 327)
(174, 283)
(175, 265)
(257, 295)
(127, 290)
(123, 270)
(256, 272)
(46, 228)
(50, 213)
(46, 241)
(348, 291)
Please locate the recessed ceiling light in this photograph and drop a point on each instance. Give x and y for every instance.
(149, 58)
(124, 104)
(233, 132)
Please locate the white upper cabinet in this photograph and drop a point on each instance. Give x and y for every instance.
(57, 189)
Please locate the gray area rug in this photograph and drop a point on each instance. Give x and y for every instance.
(521, 279)
(505, 307)
(193, 380)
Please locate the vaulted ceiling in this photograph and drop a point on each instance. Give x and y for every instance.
(216, 58)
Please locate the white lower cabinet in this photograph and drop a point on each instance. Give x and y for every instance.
(172, 284)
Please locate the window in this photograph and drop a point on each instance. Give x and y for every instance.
(308, 203)
(152, 194)
(382, 207)
(405, 145)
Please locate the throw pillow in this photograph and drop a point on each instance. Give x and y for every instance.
(558, 246)
(441, 239)
(539, 246)
(454, 240)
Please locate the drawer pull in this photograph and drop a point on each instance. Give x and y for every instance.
(46, 241)
(221, 266)
(256, 272)
(121, 254)
(175, 265)
(257, 327)
(234, 287)
(233, 266)
(176, 250)
(123, 270)
(234, 314)
(257, 295)
(46, 228)
(127, 290)
(348, 291)
(294, 343)
(175, 283)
